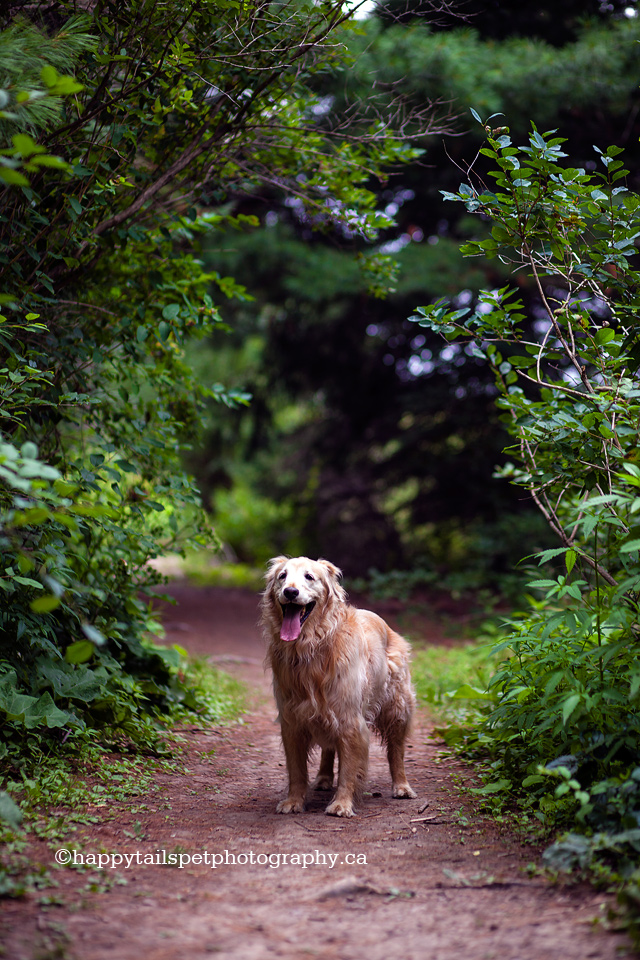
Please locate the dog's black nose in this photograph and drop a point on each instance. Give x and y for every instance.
(291, 592)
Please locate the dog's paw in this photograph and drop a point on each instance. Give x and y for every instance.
(340, 808)
(322, 783)
(402, 791)
(290, 806)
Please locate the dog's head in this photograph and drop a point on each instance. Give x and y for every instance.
(298, 590)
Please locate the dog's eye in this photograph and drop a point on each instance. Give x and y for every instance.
(308, 576)
(282, 575)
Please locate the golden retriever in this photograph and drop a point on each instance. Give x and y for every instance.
(336, 672)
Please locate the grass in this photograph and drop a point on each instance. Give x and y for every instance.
(439, 671)
(221, 697)
(203, 568)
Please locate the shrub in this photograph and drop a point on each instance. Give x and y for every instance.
(566, 700)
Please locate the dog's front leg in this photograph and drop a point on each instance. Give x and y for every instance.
(296, 750)
(353, 760)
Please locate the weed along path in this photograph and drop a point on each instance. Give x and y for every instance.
(424, 878)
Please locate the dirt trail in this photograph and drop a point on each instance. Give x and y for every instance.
(434, 882)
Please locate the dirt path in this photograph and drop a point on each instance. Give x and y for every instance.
(434, 882)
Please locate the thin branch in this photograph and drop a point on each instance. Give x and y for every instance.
(552, 316)
(90, 306)
(557, 386)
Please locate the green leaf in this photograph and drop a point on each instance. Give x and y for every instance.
(467, 692)
(56, 163)
(171, 311)
(9, 811)
(126, 466)
(546, 555)
(45, 604)
(604, 335)
(45, 711)
(34, 516)
(532, 780)
(49, 75)
(29, 450)
(630, 546)
(498, 786)
(26, 145)
(29, 711)
(80, 651)
(569, 706)
(65, 85)
(13, 177)
(28, 582)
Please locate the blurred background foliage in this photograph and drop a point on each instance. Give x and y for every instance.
(365, 440)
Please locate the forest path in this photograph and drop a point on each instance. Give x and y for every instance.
(438, 882)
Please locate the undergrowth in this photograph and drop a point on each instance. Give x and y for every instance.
(52, 789)
(443, 674)
(562, 788)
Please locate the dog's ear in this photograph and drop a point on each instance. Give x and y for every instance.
(335, 576)
(335, 572)
(268, 595)
(273, 565)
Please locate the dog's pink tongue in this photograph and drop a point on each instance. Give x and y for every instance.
(291, 626)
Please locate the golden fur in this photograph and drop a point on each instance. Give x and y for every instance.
(337, 672)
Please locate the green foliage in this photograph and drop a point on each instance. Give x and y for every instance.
(202, 568)
(32, 91)
(567, 698)
(522, 76)
(255, 527)
(444, 677)
(37, 67)
(221, 697)
(125, 135)
(374, 470)
(393, 584)
(391, 467)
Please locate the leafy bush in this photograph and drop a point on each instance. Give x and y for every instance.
(48, 678)
(566, 700)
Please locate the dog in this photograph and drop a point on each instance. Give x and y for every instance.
(337, 672)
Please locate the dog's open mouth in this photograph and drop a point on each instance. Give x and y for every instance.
(293, 616)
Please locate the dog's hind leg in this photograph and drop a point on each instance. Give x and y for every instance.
(324, 780)
(296, 748)
(396, 735)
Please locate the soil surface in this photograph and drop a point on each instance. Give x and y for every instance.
(425, 878)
